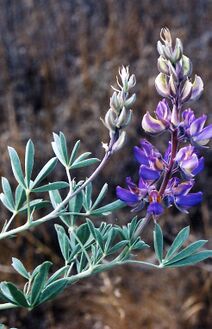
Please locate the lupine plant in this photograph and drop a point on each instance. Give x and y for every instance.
(164, 181)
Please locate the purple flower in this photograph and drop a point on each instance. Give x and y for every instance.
(162, 121)
(177, 194)
(193, 128)
(150, 160)
(133, 196)
(155, 207)
(189, 162)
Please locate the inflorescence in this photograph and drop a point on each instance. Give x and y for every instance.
(166, 180)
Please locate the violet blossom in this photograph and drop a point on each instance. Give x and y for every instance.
(166, 181)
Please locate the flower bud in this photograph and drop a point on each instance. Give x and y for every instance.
(122, 118)
(132, 81)
(186, 66)
(120, 142)
(163, 66)
(161, 85)
(186, 91)
(197, 88)
(178, 51)
(172, 85)
(152, 125)
(129, 102)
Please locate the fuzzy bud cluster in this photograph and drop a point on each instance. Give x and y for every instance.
(119, 114)
(175, 68)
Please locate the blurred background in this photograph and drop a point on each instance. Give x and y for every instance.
(58, 59)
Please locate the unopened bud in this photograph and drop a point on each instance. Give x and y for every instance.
(197, 88)
(161, 84)
(152, 125)
(186, 91)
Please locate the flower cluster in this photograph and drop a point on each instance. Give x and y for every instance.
(166, 180)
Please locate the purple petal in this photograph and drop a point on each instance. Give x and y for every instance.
(197, 125)
(140, 156)
(205, 134)
(148, 174)
(152, 125)
(183, 188)
(125, 195)
(155, 208)
(187, 201)
(200, 166)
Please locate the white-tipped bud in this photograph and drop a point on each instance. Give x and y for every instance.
(130, 101)
(173, 86)
(163, 66)
(120, 142)
(114, 102)
(132, 81)
(178, 51)
(161, 85)
(186, 66)
(186, 91)
(152, 125)
(110, 120)
(197, 88)
(122, 118)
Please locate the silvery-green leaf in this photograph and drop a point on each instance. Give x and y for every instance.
(29, 161)
(118, 246)
(100, 196)
(55, 198)
(188, 251)
(54, 277)
(34, 204)
(6, 202)
(51, 186)
(19, 267)
(63, 144)
(7, 191)
(16, 166)
(74, 152)
(20, 197)
(39, 282)
(193, 259)
(158, 242)
(53, 289)
(13, 293)
(63, 240)
(84, 163)
(45, 171)
(106, 210)
(178, 242)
